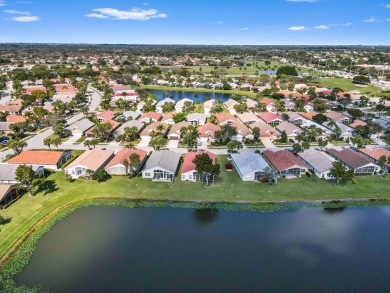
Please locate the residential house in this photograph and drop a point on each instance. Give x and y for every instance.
(141, 104)
(153, 127)
(150, 117)
(266, 130)
(270, 104)
(160, 104)
(52, 160)
(188, 169)
(117, 165)
(4, 128)
(161, 166)
(225, 118)
(174, 132)
(7, 193)
(229, 104)
(344, 130)
(289, 105)
(207, 106)
(12, 107)
(133, 123)
(128, 116)
(249, 166)
(375, 154)
(181, 104)
(196, 118)
(308, 115)
(248, 118)
(295, 118)
(291, 130)
(16, 118)
(168, 118)
(8, 173)
(251, 105)
(337, 117)
(355, 161)
(88, 163)
(106, 116)
(80, 127)
(114, 126)
(270, 118)
(319, 163)
(243, 132)
(357, 123)
(207, 131)
(285, 163)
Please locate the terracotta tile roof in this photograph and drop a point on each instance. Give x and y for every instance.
(357, 122)
(15, 118)
(37, 158)
(92, 159)
(176, 127)
(151, 115)
(308, 115)
(208, 128)
(5, 189)
(223, 117)
(124, 154)
(230, 103)
(12, 106)
(168, 116)
(267, 101)
(266, 130)
(153, 126)
(246, 117)
(209, 103)
(269, 117)
(106, 115)
(188, 165)
(335, 116)
(114, 126)
(29, 89)
(376, 153)
(283, 160)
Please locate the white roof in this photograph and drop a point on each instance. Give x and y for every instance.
(320, 161)
(249, 162)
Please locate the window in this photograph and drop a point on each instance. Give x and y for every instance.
(147, 174)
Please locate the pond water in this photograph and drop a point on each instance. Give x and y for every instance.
(117, 249)
(178, 95)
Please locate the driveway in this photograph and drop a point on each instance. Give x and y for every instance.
(172, 144)
(95, 100)
(143, 143)
(267, 143)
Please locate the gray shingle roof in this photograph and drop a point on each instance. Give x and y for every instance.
(82, 125)
(320, 161)
(249, 162)
(165, 159)
(7, 172)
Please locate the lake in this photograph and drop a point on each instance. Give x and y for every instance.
(178, 95)
(117, 249)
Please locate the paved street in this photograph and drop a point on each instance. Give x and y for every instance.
(95, 101)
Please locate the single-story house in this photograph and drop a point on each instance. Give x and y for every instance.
(106, 116)
(345, 131)
(270, 104)
(266, 130)
(354, 161)
(16, 118)
(12, 107)
(337, 117)
(168, 118)
(150, 117)
(319, 162)
(146, 133)
(133, 123)
(128, 116)
(285, 163)
(7, 193)
(174, 132)
(88, 163)
(7, 173)
(141, 104)
(375, 154)
(291, 130)
(357, 123)
(295, 118)
(270, 118)
(225, 118)
(52, 160)
(229, 104)
(289, 105)
(207, 131)
(4, 127)
(249, 166)
(114, 126)
(117, 164)
(80, 127)
(180, 104)
(248, 118)
(160, 104)
(188, 172)
(207, 106)
(161, 166)
(250, 104)
(243, 132)
(196, 118)
(308, 115)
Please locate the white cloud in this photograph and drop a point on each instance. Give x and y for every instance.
(308, 1)
(3, 3)
(322, 27)
(371, 19)
(387, 19)
(17, 12)
(296, 28)
(133, 14)
(96, 15)
(243, 29)
(387, 6)
(217, 22)
(26, 18)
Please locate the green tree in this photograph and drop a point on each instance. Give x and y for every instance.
(135, 160)
(382, 162)
(355, 113)
(287, 70)
(189, 137)
(256, 133)
(157, 142)
(100, 175)
(204, 165)
(16, 145)
(26, 177)
(283, 137)
(167, 107)
(179, 117)
(320, 118)
(297, 148)
(340, 172)
(240, 107)
(225, 134)
(322, 143)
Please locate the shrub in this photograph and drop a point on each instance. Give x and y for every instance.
(229, 166)
(354, 181)
(257, 152)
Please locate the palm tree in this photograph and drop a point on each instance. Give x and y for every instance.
(333, 125)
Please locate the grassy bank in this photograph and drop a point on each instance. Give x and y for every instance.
(27, 211)
(198, 90)
(347, 85)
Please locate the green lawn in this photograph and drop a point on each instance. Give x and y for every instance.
(347, 85)
(27, 211)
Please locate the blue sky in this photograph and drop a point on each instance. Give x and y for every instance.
(257, 22)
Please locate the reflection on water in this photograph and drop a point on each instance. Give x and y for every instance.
(106, 249)
(194, 96)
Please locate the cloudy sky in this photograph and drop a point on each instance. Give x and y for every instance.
(271, 22)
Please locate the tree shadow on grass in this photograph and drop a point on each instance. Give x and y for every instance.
(47, 187)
